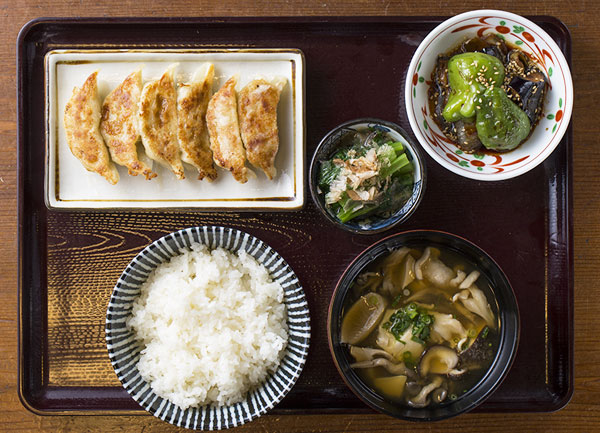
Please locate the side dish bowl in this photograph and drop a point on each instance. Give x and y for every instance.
(507, 333)
(539, 46)
(334, 140)
(124, 350)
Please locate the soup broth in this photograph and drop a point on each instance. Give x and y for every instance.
(421, 326)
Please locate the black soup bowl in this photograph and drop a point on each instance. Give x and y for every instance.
(505, 307)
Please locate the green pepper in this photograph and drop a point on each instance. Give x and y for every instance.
(501, 124)
(469, 74)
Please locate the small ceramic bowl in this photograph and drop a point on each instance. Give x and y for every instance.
(507, 308)
(331, 142)
(557, 108)
(124, 350)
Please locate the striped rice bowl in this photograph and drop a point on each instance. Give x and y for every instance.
(242, 370)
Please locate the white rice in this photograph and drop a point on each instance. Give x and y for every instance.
(213, 324)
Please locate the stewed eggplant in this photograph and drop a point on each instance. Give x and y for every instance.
(485, 94)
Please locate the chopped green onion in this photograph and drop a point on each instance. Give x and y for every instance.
(485, 332)
(408, 316)
(396, 301)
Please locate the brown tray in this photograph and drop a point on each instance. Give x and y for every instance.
(355, 67)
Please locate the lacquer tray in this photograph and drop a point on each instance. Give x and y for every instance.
(355, 67)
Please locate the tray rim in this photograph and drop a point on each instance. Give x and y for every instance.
(29, 404)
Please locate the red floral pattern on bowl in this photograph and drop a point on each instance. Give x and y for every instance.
(558, 105)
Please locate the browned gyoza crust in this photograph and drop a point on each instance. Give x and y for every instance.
(192, 132)
(257, 110)
(120, 125)
(225, 141)
(158, 122)
(82, 127)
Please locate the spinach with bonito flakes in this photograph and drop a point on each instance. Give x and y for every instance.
(369, 176)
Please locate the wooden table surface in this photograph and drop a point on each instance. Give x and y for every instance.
(582, 414)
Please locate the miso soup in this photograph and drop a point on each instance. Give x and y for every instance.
(421, 326)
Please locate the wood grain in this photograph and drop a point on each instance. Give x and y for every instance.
(581, 415)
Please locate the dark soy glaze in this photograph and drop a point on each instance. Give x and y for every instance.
(524, 83)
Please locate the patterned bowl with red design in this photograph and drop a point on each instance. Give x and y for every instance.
(558, 104)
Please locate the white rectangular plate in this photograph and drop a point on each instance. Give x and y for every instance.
(69, 185)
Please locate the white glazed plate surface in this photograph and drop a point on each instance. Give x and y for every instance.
(69, 185)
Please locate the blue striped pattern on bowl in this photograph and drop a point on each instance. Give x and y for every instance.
(124, 350)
